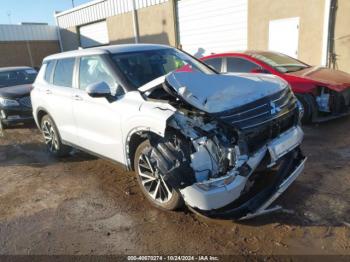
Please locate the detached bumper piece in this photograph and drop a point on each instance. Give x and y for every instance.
(258, 203)
(337, 103)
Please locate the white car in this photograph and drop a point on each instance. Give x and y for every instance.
(225, 145)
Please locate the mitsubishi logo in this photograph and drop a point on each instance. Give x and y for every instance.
(274, 109)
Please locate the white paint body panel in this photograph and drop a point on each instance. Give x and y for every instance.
(212, 26)
(220, 92)
(284, 36)
(94, 34)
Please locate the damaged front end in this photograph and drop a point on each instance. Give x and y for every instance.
(229, 155)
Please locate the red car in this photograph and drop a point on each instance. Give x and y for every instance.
(324, 93)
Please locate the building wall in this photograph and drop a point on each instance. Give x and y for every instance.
(311, 13)
(156, 24)
(26, 53)
(69, 38)
(120, 29)
(342, 36)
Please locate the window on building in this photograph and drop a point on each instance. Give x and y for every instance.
(215, 63)
(240, 65)
(63, 75)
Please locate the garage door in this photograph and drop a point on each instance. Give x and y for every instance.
(212, 26)
(284, 36)
(94, 34)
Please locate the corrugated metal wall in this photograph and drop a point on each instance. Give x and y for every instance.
(28, 33)
(98, 10)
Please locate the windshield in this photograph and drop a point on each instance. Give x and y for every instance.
(141, 67)
(280, 62)
(17, 77)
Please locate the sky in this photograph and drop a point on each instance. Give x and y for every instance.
(17, 11)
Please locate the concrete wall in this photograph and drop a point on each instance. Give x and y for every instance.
(26, 53)
(120, 29)
(311, 13)
(69, 38)
(342, 36)
(156, 24)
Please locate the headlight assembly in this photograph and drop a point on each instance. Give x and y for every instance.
(217, 182)
(8, 102)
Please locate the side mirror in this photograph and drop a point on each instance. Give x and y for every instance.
(259, 70)
(99, 89)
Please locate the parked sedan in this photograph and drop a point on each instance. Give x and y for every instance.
(15, 87)
(323, 92)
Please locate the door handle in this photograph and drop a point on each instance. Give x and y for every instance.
(48, 91)
(77, 97)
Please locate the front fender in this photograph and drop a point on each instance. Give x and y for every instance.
(151, 117)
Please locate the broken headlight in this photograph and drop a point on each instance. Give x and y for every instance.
(217, 182)
(8, 102)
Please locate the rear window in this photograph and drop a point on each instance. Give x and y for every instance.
(215, 63)
(239, 65)
(63, 75)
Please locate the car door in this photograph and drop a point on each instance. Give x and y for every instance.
(98, 118)
(58, 93)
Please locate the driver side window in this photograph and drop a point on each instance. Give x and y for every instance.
(93, 70)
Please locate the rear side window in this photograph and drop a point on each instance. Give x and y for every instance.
(215, 63)
(48, 71)
(240, 65)
(63, 75)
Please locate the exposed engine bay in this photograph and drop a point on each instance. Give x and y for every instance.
(206, 153)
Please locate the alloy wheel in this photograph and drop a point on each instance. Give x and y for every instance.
(50, 136)
(152, 180)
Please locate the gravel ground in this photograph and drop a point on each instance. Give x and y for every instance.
(84, 205)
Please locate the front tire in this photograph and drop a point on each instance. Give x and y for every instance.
(306, 101)
(52, 138)
(152, 185)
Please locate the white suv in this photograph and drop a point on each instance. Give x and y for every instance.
(224, 145)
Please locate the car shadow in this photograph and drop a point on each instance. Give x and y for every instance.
(36, 155)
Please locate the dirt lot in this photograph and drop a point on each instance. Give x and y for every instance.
(83, 205)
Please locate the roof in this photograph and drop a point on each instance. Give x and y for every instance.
(113, 49)
(14, 68)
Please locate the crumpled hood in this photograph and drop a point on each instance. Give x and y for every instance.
(15, 91)
(220, 92)
(324, 75)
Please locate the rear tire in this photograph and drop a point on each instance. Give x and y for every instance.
(52, 138)
(151, 182)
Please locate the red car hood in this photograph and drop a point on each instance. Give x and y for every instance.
(334, 79)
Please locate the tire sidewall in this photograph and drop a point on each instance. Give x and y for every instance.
(62, 149)
(176, 200)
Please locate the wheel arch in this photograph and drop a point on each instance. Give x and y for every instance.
(40, 113)
(133, 140)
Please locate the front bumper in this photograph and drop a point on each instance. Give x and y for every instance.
(259, 203)
(234, 200)
(14, 115)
